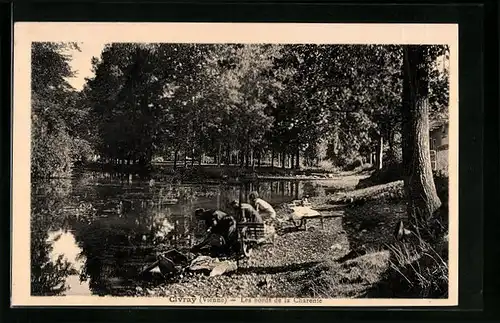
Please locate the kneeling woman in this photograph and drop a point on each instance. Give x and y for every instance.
(221, 238)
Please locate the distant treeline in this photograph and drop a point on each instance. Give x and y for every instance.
(246, 105)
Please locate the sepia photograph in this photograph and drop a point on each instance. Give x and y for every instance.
(276, 171)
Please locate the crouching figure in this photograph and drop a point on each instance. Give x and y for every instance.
(221, 236)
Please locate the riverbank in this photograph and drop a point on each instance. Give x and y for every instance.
(225, 173)
(348, 257)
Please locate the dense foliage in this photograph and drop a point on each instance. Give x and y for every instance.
(285, 105)
(57, 114)
(233, 104)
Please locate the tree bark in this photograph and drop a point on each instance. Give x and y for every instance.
(420, 189)
(283, 159)
(380, 152)
(292, 161)
(272, 158)
(247, 158)
(297, 160)
(390, 141)
(218, 155)
(252, 160)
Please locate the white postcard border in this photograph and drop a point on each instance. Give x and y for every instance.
(27, 32)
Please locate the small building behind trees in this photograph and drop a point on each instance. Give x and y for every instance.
(439, 145)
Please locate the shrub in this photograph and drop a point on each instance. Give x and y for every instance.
(327, 166)
(356, 163)
(53, 149)
(51, 153)
(441, 181)
(364, 167)
(394, 157)
(390, 173)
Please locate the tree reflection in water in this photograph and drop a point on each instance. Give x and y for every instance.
(116, 246)
(48, 276)
(117, 223)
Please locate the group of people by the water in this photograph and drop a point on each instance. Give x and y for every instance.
(221, 235)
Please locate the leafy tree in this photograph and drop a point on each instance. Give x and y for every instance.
(242, 93)
(55, 144)
(186, 97)
(220, 100)
(302, 109)
(124, 99)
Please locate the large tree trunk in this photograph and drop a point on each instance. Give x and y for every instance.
(219, 155)
(252, 159)
(420, 189)
(380, 152)
(390, 141)
(272, 158)
(283, 159)
(176, 156)
(297, 160)
(247, 158)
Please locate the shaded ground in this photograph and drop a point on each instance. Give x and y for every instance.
(269, 271)
(346, 258)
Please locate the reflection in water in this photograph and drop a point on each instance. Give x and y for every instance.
(64, 246)
(92, 234)
(48, 276)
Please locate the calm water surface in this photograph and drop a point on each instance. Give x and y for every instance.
(91, 235)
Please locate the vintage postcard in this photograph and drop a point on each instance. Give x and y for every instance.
(230, 164)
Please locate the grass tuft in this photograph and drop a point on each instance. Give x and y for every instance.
(419, 270)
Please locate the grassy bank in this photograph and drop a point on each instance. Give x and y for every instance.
(378, 265)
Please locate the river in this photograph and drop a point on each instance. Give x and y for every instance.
(91, 234)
